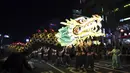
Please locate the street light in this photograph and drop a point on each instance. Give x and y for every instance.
(125, 34)
(2, 37)
(121, 30)
(129, 33)
(6, 36)
(27, 40)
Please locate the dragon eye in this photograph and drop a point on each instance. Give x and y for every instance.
(81, 21)
(76, 30)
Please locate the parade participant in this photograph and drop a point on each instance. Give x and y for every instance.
(85, 50)
(54, 56)
(90, 58)
(45, 54)
(72, 52)
(67, 55)
(50, 52)
(42, 51)
(115, 57)
(83, 57)
(60, 57)
(77, 58)
(80, 56)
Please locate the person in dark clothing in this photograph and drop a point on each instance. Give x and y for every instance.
(54, 56)
(45, 54)
(90, 59)
(15, 63)
(72, 52)
(67, 56)
(60, 57)
(80, 57)
(42, 51)
(77, 59)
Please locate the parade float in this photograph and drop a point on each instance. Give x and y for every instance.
(78, 29)
(75, 30)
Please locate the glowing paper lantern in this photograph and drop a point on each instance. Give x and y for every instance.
(38, 30)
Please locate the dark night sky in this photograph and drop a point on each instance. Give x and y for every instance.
(21, 18)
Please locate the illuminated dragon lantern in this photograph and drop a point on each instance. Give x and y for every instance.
(80, 28)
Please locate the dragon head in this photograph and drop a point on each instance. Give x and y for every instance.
(79, 29)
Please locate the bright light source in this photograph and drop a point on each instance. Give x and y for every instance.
(121, 30)
(0, 35)
(104, 43)
(125, 34)
(129, 33)
(38, 30)
(27, 40)
(6, 36)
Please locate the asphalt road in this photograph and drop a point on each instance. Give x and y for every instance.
(43, 67)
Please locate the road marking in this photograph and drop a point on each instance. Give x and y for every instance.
(44, 72)
(111, 69)
(50, 72)
(110, 72)
(105, 62)
(71, 69)
(47, 72)
(125, 65)
(54, 67)
(108, 65)
(96, 68)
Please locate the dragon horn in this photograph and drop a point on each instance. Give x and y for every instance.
(63, 23)
(67, 21)
(71, 19)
